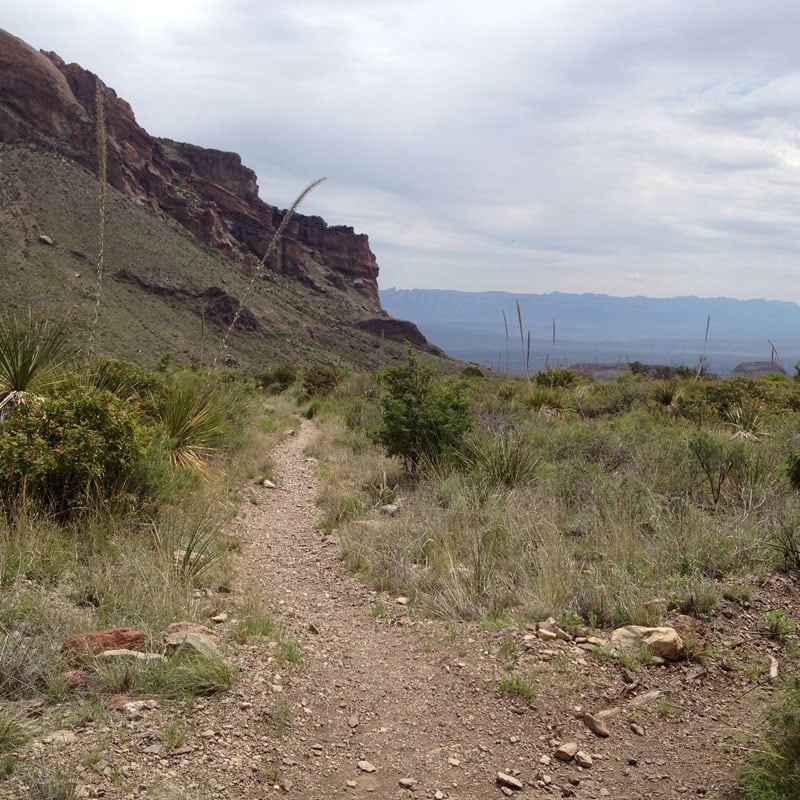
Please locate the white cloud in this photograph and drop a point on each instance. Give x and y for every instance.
(521, 146)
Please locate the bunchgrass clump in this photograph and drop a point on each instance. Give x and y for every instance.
(279, 716)
(191, 542)
(46, 784)
(517, 684)
(256, 621)
(772, 771)
(15, 730)
(177, 677)
(502, 462)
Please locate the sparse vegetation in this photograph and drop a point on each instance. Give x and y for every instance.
(518, 685)
(771, 772)
(600, 505)
(593, 513)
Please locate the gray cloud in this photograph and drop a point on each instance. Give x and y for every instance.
(620, 147)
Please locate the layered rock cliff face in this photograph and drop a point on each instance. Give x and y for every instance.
(209, 192)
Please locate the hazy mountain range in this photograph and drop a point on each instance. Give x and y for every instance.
(597, 327)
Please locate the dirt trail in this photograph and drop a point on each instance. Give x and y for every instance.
(420, 701)
(384, 690)
(398, 706)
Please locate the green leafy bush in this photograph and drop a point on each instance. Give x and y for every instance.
(719, 459)
(558, 377)
(319, 380)
(626, 393)
(278, 379)
(130, 381)
(717, 400)
(422, 415)
(59, 451)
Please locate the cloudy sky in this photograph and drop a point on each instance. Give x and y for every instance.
(616, 146)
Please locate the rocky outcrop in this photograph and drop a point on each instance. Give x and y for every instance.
(209, 192)
(214, 301)
(400, 331)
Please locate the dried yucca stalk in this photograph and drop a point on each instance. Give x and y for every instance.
(260, 267)
(102, 175)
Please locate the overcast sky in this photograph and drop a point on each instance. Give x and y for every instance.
(616, 146)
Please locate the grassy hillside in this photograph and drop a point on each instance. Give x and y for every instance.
(168, 306)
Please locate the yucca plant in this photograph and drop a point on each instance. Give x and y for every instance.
(31, 350)
(667, 393)
(746, 418)
(194, 422)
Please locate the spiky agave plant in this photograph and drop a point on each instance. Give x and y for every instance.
(31, 351)
(194, 421)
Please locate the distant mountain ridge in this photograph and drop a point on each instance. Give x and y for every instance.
(597, 327)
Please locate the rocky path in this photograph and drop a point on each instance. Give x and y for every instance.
(388, 704)
(385, 706)
(398, 706)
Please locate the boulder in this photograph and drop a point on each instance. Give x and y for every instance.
(189, 636)
(664, 642)
(88, 643)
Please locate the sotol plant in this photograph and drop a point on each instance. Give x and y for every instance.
(31, 351)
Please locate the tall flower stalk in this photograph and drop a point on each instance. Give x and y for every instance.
(260, 267)
(102, 176)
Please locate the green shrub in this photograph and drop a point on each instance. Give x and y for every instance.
(717, 400)
(319, 380)
(558, 377)
(718, 459)
(130, 382)
(62, 450)
(422, 415)
(625, 394)
(773, 769)
(278, 379)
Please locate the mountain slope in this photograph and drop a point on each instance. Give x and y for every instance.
(184, 235)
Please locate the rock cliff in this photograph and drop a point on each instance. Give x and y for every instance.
(209, 192)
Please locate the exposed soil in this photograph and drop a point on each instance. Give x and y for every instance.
(425, 694)
(420, 700)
